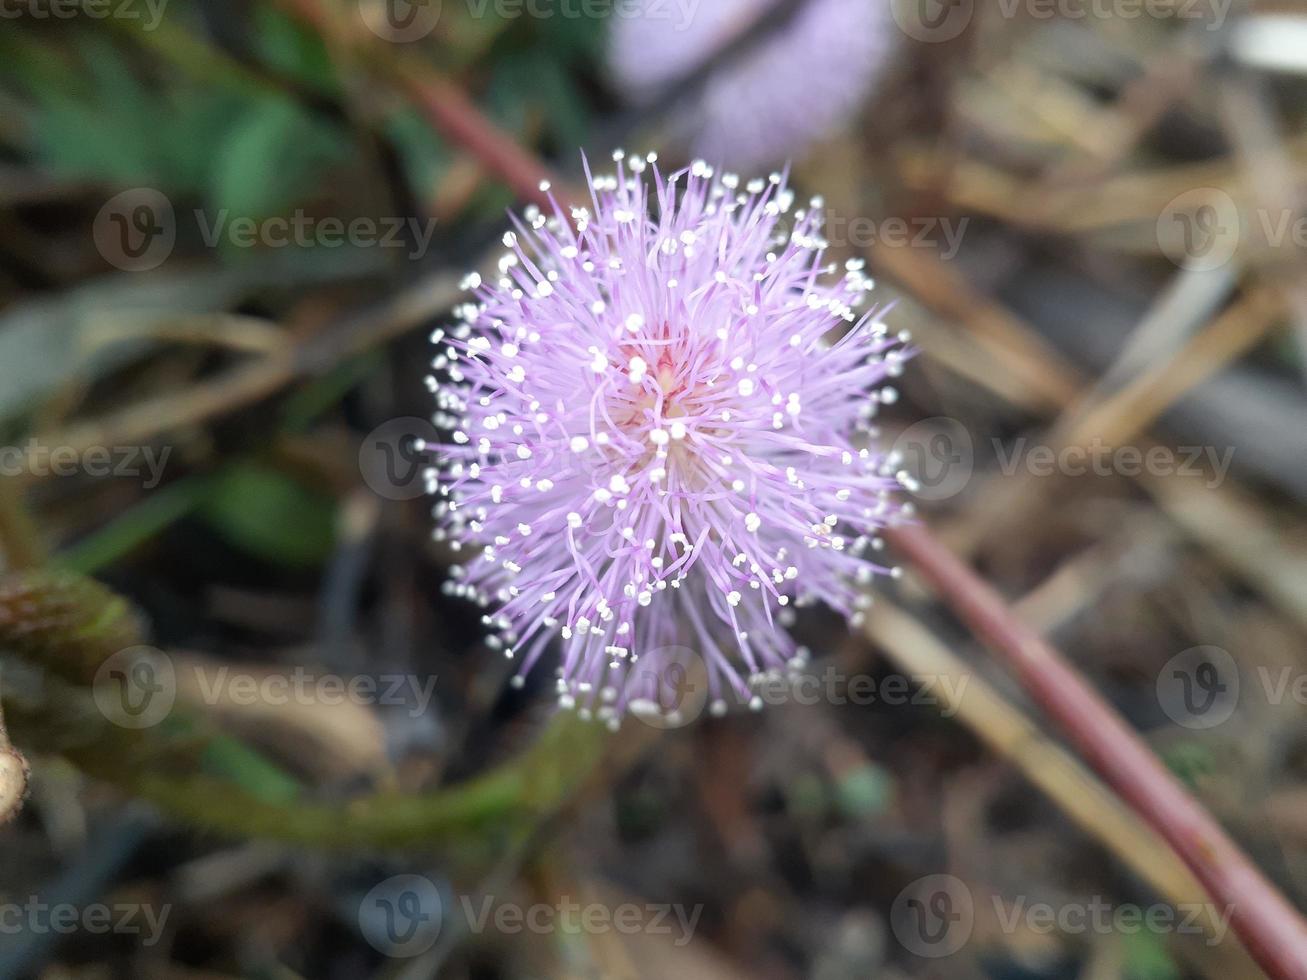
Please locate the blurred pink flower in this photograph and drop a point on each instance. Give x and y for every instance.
(798, 85)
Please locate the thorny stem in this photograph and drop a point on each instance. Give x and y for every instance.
(1273, 931)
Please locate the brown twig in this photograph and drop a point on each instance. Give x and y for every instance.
(259, 377)
(1272, 930)
(1062, 777)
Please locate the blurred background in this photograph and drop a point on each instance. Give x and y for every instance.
(264, 744)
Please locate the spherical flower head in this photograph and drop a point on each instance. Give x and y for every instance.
(796, 86)
(661, 414)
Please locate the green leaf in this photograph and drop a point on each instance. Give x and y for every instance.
(569, 113)
(425, 156)
(266, 513)
(92, 116)
(250, 770)
(577, 40)
(156, 512)
(319, 396)
(294, 50)
(1190, 761)
(269, 157)
(1146, 958)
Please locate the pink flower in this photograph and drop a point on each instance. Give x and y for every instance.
(661, 414)
(796, 86)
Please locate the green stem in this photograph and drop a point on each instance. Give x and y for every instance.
(502, 804)
(65, 626)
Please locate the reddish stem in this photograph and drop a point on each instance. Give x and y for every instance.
(1271, 929)
(444, 104)
(459, 120)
